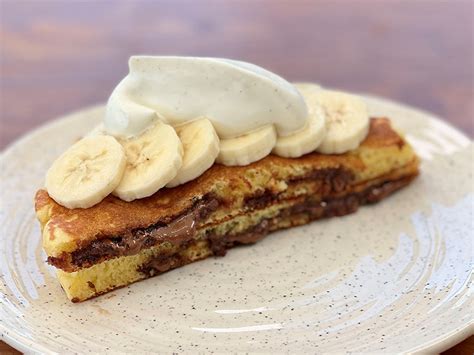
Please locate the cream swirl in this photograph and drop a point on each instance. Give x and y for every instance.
(237, 97)
(172, 118)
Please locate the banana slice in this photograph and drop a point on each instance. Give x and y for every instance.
(248, 148)
(87, 172)
(201, 147)
(347, 122)
(153, 160)
(311, 136)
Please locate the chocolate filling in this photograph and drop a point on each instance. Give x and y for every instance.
(177, 232)
(309, 210)
(162, 264)
(333, 180)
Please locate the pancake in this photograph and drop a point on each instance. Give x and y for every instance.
(115, 243)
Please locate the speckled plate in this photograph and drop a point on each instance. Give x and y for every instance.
(394, 277)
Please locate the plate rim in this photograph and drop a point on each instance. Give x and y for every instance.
(21, 343)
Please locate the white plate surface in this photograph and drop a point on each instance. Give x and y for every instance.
(393, 277)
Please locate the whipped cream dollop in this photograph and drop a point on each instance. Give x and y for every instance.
(237, 97)
(171, 118)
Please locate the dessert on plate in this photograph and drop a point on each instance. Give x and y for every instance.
(197, 155)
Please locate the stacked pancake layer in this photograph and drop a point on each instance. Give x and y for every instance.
(115, 243)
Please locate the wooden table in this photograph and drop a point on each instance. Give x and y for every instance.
(59, 56)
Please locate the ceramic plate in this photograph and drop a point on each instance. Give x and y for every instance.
(393, 277)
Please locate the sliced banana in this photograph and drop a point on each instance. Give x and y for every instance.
(248, 148)
(347, 122)
(87, 172)
(153, 159)
(201, 147)
(311, 136)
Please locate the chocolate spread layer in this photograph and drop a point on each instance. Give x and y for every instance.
(308, 210)
(332, 180)
(180, 230)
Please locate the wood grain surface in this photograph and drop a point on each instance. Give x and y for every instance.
(59, 56)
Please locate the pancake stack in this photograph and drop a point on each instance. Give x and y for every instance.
(115, 243)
